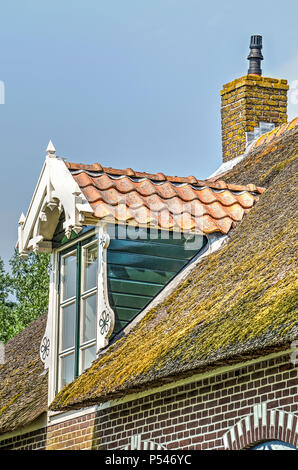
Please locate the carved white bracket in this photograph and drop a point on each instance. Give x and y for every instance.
(45, 348)
(46, 344)
(105, 314)
(56, 191)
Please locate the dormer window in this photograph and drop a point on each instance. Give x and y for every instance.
(116, 238)
(77, 309)
(139, 263)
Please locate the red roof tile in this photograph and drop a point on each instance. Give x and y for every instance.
(166, 202)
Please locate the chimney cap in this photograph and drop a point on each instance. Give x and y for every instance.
(256, 41)
(255, 55)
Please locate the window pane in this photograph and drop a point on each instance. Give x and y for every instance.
(69, 265)
(90, 267)
(88, 355)
(67, 369)
(68, 326)
(89, 318)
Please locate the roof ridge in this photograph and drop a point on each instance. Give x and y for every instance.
(161, 178)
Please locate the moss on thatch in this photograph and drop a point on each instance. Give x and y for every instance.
(240, 302)
(263, 164)
(23, 390)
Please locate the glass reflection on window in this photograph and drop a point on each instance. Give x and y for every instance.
(88, 356)
(69, 264)
(68, 326)
(67, 369)
(89, 318)
(90, 267)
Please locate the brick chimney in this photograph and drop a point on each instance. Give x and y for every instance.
(251, 105)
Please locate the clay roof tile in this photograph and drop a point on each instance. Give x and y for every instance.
(126, 196)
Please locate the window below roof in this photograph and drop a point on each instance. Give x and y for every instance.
(77, 309)
(140, 263)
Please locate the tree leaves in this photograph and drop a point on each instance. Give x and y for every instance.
(23, 293)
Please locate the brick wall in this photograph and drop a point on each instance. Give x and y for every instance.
(76, 434)
(245, 103)
(35, 440)
(231, 410)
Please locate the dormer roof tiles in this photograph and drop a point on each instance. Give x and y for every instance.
(167, 202)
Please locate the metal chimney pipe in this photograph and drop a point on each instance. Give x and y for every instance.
(255, 56)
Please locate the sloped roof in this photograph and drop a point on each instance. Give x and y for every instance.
(269, 142)
(273, 136)
(166, 202)
(23, 384)
(238, 303)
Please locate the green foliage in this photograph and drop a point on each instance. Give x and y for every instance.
(28, 284)
(7, 317)
(5, 283)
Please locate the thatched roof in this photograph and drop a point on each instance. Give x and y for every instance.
(23, 384)
(269, 155)
(238, 303)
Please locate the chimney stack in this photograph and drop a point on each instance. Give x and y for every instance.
(251, 105)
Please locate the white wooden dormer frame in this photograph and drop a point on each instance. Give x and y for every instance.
(105, 317)
(56, 191)
(105, 314)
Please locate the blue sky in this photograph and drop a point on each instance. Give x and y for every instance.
(128, 83)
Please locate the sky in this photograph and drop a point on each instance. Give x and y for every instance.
(127, 83)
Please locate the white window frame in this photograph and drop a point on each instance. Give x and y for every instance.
(54, 313)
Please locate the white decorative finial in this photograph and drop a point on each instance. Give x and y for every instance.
(22, 219)
(51, 149)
